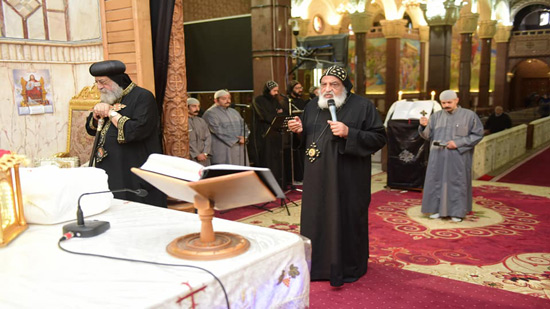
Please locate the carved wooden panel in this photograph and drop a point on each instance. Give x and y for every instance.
(529, 45)
(175, 131)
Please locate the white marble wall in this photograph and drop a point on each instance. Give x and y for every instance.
(75, 43)
(41, 135)
(541, 131)
(498, 149)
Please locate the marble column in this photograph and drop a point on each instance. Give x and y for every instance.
(487, 29)
(393, 31)
(502, 89)
(441, 21)
(361, 23)
(466, 25)
(271, 34)
(424, 32)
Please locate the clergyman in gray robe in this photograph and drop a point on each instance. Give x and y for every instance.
(200, 140)
(453, 132)
(229, 132)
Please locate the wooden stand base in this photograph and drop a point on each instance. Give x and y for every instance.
(225, 245)
(207, 245)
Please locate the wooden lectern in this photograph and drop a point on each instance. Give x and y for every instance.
(220, 193)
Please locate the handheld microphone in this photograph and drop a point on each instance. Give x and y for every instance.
(92, 228)
(242, 105)
(332, 109)
(440, 144)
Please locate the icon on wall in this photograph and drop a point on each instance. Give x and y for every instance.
(32, 92)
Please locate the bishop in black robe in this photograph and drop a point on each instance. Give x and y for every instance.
(135, 136)
(337, 181)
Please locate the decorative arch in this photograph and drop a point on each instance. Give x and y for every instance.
(519, 5)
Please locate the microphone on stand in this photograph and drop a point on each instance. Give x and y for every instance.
(92, 228)
(332, 109)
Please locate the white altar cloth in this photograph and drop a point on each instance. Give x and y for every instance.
(35, 273)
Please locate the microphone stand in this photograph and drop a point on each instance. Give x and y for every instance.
(92, 228)
(243, 114)
(292, 186)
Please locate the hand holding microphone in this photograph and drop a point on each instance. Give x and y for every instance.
(337, 128)
(332, 109)
(448, 145)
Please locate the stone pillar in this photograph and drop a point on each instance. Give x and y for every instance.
(466, 25)
(487, 29)
(439, 64)
(502, 89)
(393, 31)
(424, 32)
(175, 131)
(271, 34)
(361, 23)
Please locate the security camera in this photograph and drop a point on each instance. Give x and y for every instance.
(295, 26)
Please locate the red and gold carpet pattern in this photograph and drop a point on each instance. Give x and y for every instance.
(504, 243)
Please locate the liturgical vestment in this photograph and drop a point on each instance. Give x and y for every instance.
(336, 190)
(448, 184)
(226, 125)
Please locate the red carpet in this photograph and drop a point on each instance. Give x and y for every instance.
(389, 287)
(535, 172)
(498, 257)
(503, 243)
(243, 212)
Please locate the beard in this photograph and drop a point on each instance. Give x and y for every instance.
(339, 100)
(111, 96)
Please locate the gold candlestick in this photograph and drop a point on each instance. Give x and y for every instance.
(400, 94)
(433, 94)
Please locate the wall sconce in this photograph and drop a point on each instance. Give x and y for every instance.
(12, 219)
(509, 76)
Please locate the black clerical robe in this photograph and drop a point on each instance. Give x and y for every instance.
(129, 145)
(270, 147)
(336, 191)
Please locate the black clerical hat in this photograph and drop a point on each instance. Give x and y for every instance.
(341, 74)
(114, 69)
(107, 68)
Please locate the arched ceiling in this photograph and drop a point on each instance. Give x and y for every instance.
(333, 10)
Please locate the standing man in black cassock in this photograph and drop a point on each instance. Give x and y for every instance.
(337, 178)
(270, 148)
(297, 104)
(130, 132)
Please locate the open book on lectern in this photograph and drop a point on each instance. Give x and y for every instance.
(226, 185)
(404, 110)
